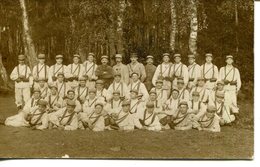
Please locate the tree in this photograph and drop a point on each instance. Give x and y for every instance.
(193, 27)
(173, 25)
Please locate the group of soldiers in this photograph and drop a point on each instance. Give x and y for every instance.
(125, 97)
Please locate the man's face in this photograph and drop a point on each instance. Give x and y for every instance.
(70, 108)
(133, 95)
(159, 85)
(104, 61)
(229, 61)
(220, 87)
(209, 114)
(117, 78)
(177, 59)
(76, 60)
(166, 59)
(149, 61)
(92, 95)
(42, 108)
(183, 109)
(99, 86)
(21, 62)
(133, 59)
(126, 108)
(195, 98)
(180, 85)
(41, 83)
(82, 83)
(60, 78)
(53, 91)
(201, 83)
(135, 77)
(219, 99)
(208, 59)
(41, 61)
(153, 97)
(90, 58)
(175, 94)
(36, 95)
(98, 109)
(59, 61)
(118, 59)
(71, 95)
(191, 60)
(116, 96)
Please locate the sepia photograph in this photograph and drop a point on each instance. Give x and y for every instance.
(127, 79)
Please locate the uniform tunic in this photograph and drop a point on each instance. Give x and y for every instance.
(197, 108)
(40, 71)
(125, 121)
(137, 68)
(194, 73)
(54, 70)
(81, 93)
(38, 118)
(74, 70)
(209, 71)
(182, 121)
(113, 107)
(63, 88)
(102, 94)
(140, 88)
(118, 86)
(78, 107)
(162, 95)
(90, 70)
(96, 122)
(105, 73)
(184, 95)
(180, 70)
(204, 94)
(54, 102)
(208, 124)
(123, 70)
(44, 91)
(224, 112)
(151, 121)
(149, 70)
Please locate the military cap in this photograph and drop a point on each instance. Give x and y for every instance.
(42, 102)
(41, 56)
(229, 56)
(99, 81)
(175, 89)
(150, 104)
(36, 90)
(200, 79)
(76, 55)
(91, 54)
(149, 57)
(195, 93)
(21, 57)
(166, 54)
(220, 94)
(183, 103)
(117, 74)
(53, 86)
(116, 92)
(191, 56)
(134, 73)
(125, 103)
(177, 55)
(92, 90)
(152, 91)
(208, 54)
(211, 109)
(159, 81)
(82, 78)
(134, 55)
(118, 56)
(59, 57)
(71, 90)
(134, 90)
(180, 80)
(60, 73)
(220, 82)
(104, 57)
(71, 103)
(99, 103)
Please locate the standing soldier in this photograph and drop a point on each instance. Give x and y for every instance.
(231, 77)
(136, 67)
(90, 70)
(41, 70)
(179, 70)
(194, 72)
(149, 70)
(56, 68)
(74, 71)
(163, 71)
(122, 69)
(209, 72)
(23, 82)
(105, 72)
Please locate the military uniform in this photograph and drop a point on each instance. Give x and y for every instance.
(23, 82)
(89, 103)
(161, 94)
(140, 87)
(63, 87)
(90, 71)
(149, 70)
(194, 73)
(40, 71)
(204, 93)
(136, 68)
(81, 92)
(197, 108)
(55, 69)
(114, 106)
(122, 69)
(54, 100)
(179, 70)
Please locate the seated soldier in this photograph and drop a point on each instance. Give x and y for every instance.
(150, 120)
(114, 105)
(201, 88)
(182, 120)
(53, 99)
(65, 118)
(38, 117)
(160, 91)
(33, 100)
(90, 102)
(157, 103)
(223, 110)
(183, 92)
(209, 121)
(63, 87)
(82, 90)
(101, 92)
(196, 107)
(71, 96)
(94, 121)
(169, 108)
(136, 104)
(42, 85)
(219, 88)
(118, 85)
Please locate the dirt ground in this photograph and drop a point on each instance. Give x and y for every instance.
(234, 142)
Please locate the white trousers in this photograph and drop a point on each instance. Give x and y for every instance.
(22, 95)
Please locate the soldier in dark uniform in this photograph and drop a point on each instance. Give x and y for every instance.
(105, 72)
(150, 70)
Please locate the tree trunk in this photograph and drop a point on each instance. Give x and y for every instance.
(111, 40)
(236, 25)
(193, 27)
(3, 73)
(173, 25)
(28, 43)
(120, 17)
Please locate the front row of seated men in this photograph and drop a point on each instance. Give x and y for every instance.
(117, 114)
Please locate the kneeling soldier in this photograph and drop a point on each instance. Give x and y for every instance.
(150, 120)
(82, 90)
(65, 118)
(54, 100)
(196, 107)
(209, 121)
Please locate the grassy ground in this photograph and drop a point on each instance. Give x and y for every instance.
(234, 142)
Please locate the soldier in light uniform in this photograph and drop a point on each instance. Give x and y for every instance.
(115, 104)
(65, 118)
(41, 70)
(90, 101)
(136, 67)
(74, 71)
(194, 72)
(71, 97)
(53, 99)
(82, 90)
(231, 77)
(209, 72)
(105, 72)
(90, 70)
(201, 88)
(158, 104)
(23, 82)
(179, 70)
(121, 68)
(118, 85)
(163, 72)
(219, 88)
(162, 94)
(149, 70)
(43, 86)
(196, 107)
(139, 86)
(209, 121)
(183, 92)
(62, 85)
(101, 93)
(56, 68)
